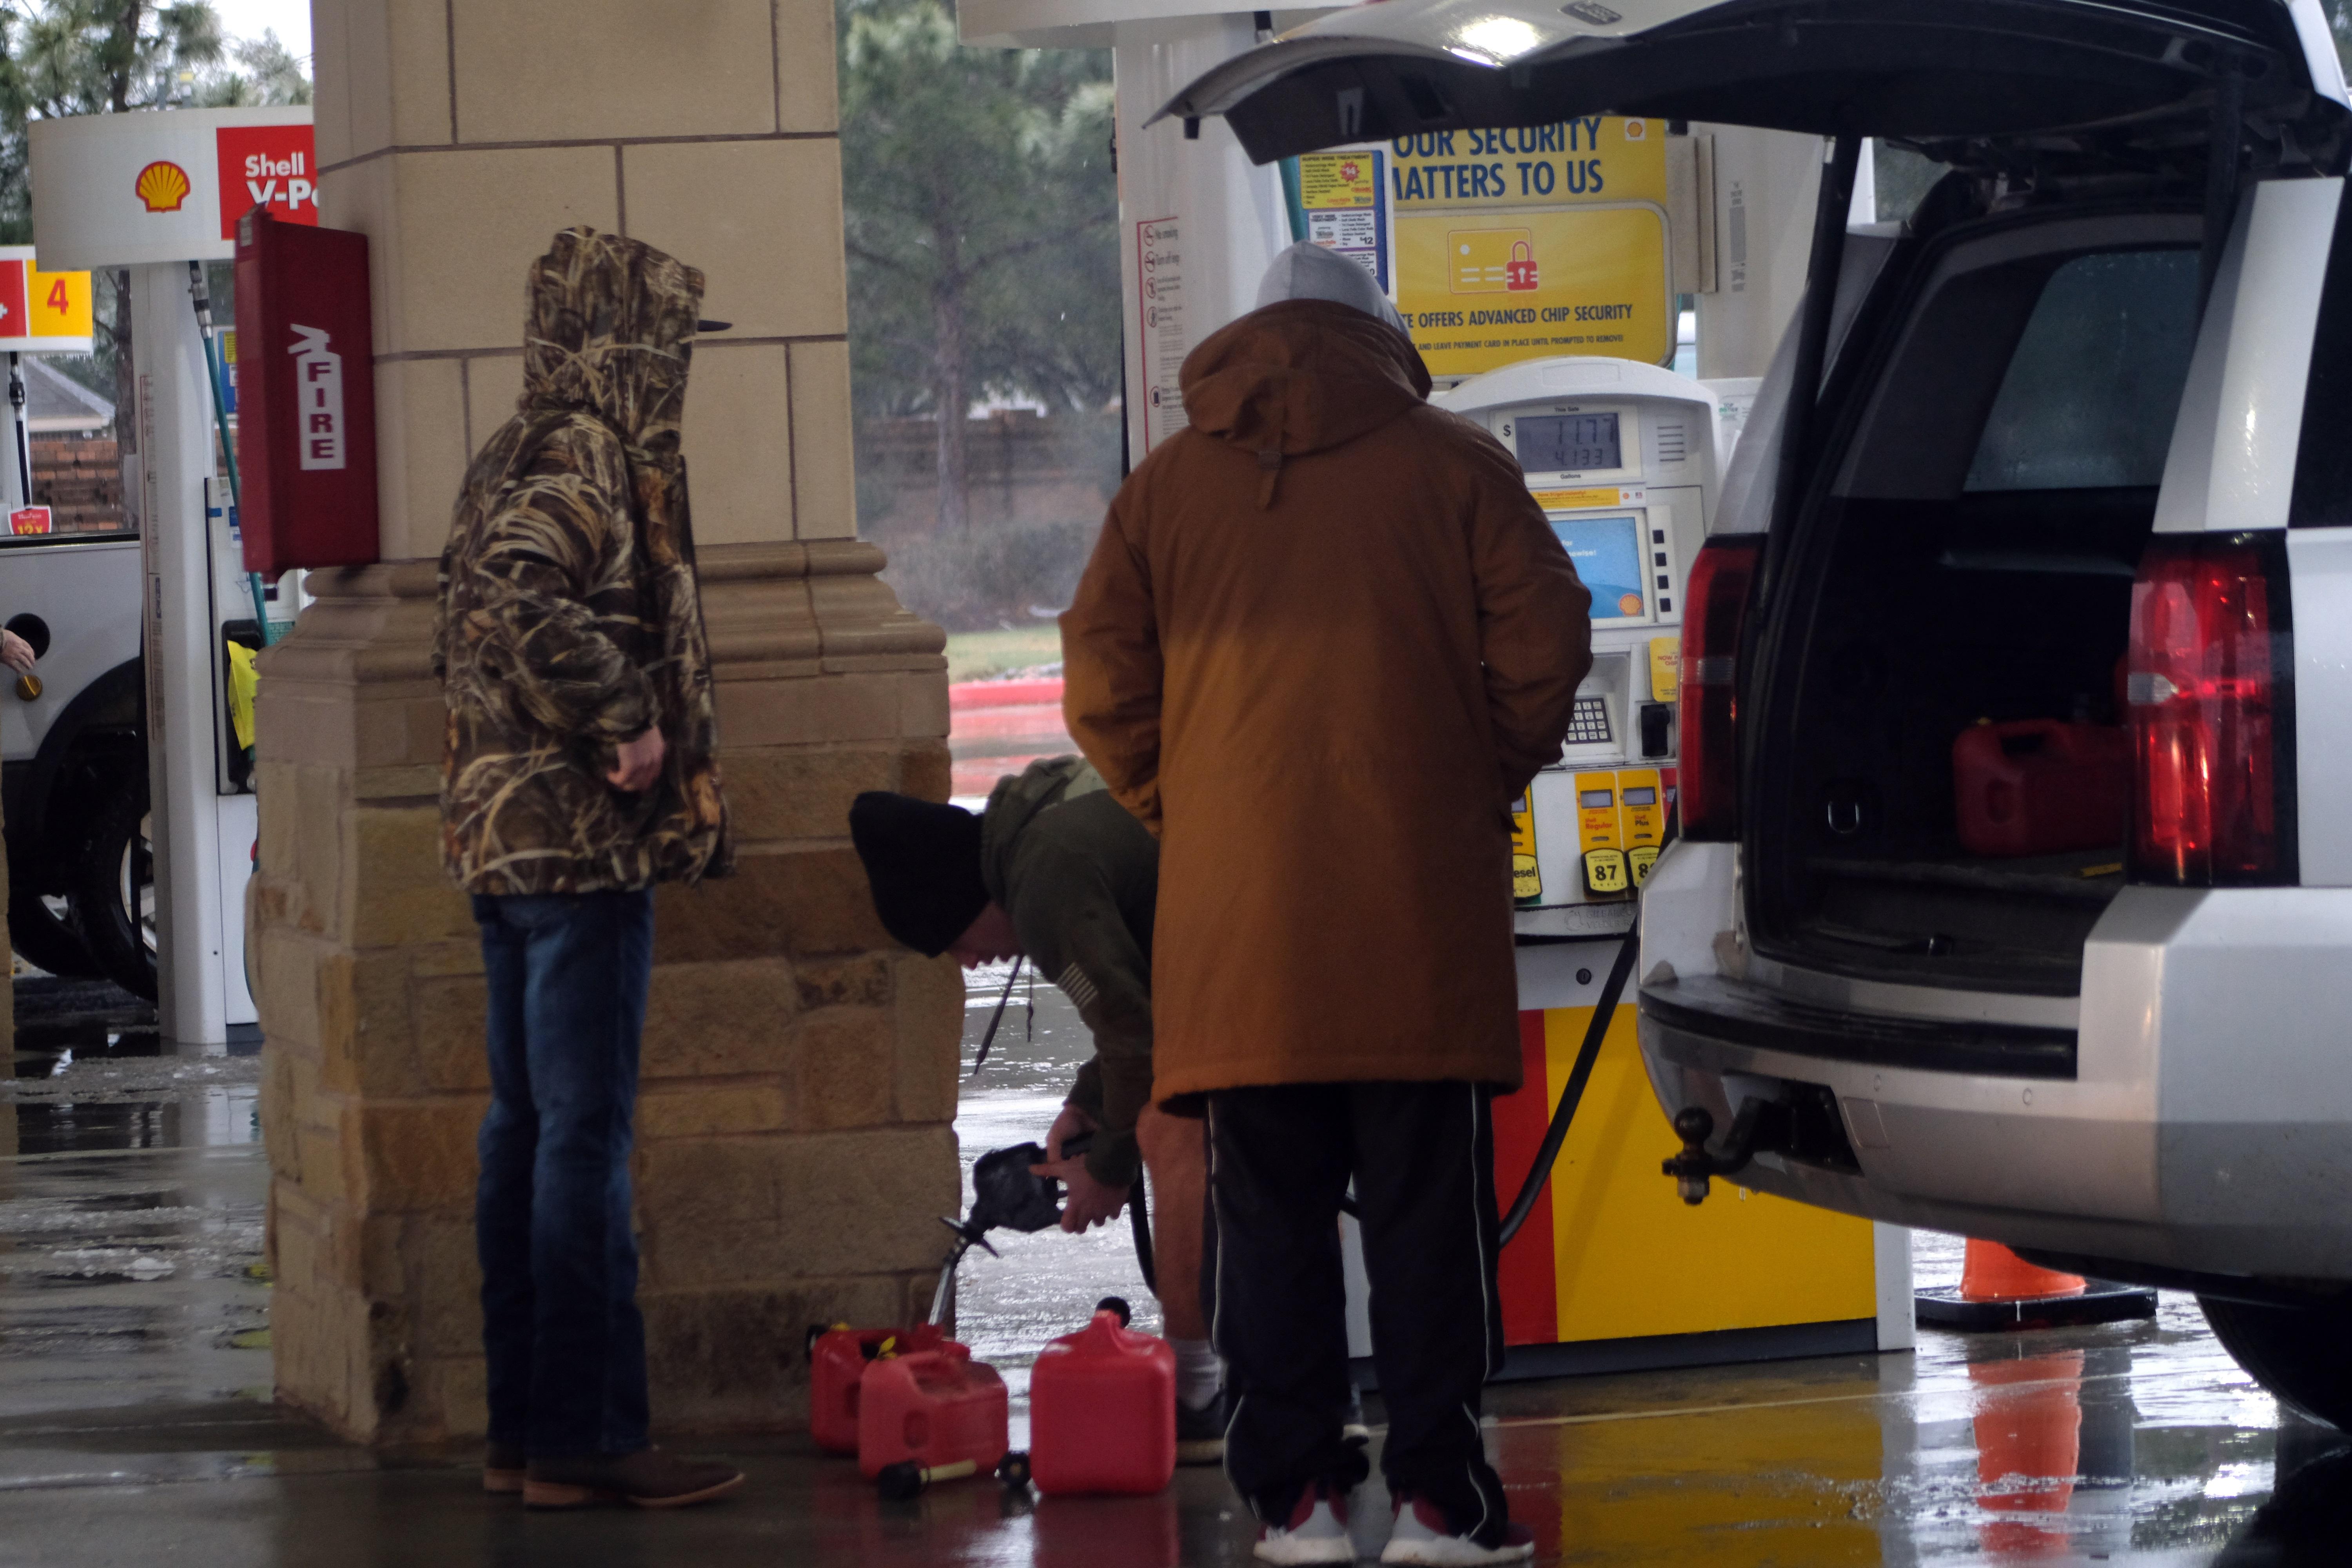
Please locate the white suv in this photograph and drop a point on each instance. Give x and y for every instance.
(2081, 456)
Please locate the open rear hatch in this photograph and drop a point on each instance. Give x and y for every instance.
(1980, 579)
(2126, 71)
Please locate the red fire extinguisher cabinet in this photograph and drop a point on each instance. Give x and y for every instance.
(306, 395)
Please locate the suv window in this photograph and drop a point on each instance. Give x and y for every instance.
(2089, 397)
(2323, 464)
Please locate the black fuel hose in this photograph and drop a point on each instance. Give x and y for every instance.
(1141, 1223)
(1565, 1112)
(1611, 990)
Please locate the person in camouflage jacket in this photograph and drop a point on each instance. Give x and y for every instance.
(570, 618)
(579, 771)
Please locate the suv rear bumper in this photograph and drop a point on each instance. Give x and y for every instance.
(2205, 1124)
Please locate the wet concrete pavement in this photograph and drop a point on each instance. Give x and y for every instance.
(134, 1425)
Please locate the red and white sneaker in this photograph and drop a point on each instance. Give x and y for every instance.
(1421, 1536)
(1318, 1531)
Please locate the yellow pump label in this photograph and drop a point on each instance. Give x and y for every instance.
(1527, 881)
(1665, 669)
(1644, 810)
(1600, 835)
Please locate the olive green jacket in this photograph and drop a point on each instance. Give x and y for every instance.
(570, 620)
(1079, 876)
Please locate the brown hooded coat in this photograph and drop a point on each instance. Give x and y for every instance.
(1325, 639)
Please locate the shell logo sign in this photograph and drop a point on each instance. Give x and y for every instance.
(274, 167)
(129, 190)
(163, 186)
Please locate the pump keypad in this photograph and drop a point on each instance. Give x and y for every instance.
(1591, 723)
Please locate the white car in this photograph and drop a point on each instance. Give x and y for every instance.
(2080, 464)
(73, 758)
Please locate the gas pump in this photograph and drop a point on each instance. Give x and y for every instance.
(1622, 456)
(159, 194)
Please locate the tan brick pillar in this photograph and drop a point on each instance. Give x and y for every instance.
(798, 1071)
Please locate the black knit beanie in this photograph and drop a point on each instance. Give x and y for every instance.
(923, 861)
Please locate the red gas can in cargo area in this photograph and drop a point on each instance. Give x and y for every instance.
(1102, 1412)
(934, 1408)
(837, 1362)
(2038, 787)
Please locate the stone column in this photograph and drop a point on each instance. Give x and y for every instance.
(793, 1137)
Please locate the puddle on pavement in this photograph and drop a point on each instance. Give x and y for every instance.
(127, 1284)
(91, 1073)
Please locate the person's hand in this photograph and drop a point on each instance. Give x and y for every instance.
(15, 653)
(637, 764)
(1072, 1123)
(1089, 1202)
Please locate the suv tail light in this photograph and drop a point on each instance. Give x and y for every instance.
(1714, 603)
(2211, 713)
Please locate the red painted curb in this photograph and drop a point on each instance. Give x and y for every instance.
(1004, 694)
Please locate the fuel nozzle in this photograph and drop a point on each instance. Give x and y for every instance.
(1693, 1168)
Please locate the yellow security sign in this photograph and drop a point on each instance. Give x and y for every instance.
(1479, 292)
(1590, 158)
(1521, 242)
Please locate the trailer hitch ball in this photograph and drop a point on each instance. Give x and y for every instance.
(1691, 1168)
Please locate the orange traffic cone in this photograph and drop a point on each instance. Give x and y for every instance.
(1998, 1289)
(1994, 1273)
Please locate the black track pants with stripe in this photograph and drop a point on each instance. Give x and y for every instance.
(1422, 1158)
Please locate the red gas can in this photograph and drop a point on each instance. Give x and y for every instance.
(2038, 787)
(837, 1362)
(1102, 1411)
(933, 1407)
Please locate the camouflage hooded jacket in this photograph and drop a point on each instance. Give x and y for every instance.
(569, 616)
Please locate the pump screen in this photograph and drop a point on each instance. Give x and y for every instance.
(1641, 797)
(1607, 552)
(1594, 797)
(1569, 443)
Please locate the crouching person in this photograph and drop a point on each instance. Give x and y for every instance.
(578, 773)
(1056, 869)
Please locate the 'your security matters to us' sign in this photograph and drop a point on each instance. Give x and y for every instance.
(1533, 240)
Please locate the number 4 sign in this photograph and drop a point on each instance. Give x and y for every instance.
(41, 312)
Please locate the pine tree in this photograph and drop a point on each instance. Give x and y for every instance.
(982, 225)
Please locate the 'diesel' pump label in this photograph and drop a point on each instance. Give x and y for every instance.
(1527, 880)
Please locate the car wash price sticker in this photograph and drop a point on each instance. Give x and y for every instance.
(1527, 241)
(1345, 201)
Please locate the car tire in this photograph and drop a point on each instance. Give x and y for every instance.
(46, 939)
(2302, 1355)
(114, 890)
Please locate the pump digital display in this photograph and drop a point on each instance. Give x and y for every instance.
(1569, 443)
(1607, 550)
(1595, 797)
(1641, 797)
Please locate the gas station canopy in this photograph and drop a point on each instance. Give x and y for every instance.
(2127, 71)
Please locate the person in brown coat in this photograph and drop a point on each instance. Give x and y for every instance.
(1325, 639)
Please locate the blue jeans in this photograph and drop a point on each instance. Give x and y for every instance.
(568, 974)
